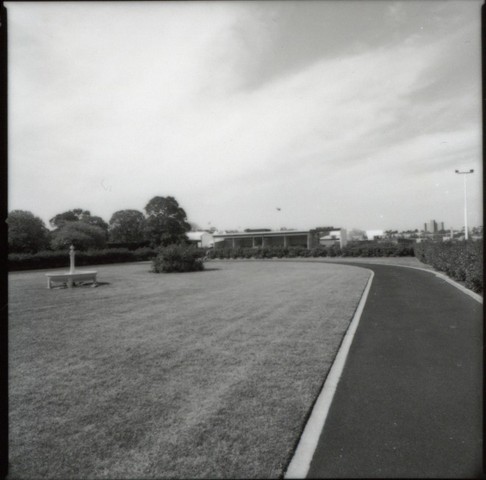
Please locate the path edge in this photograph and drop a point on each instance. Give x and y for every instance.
(447, 279)
(301, 460)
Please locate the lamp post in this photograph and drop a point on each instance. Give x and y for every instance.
(466, 232)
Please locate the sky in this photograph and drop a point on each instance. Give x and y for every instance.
(258, 114)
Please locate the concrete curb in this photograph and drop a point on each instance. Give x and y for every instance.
(300, 463)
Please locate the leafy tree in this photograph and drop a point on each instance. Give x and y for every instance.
(70, 216)
(96, 222)
(26, 232)
(127, 226)
(78, 215)
(166, 221)
(195, 227)
(82, 235)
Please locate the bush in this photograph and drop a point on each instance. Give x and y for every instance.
(178, 258)
(461, 261)
(32, 261)
(361, 249)
(145, 253)
(59, 259)
(374, 249)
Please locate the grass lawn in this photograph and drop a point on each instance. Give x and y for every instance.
(204, 374)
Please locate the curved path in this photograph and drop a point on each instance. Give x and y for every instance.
(409, 402)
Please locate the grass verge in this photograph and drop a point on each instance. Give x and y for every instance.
(192, 375)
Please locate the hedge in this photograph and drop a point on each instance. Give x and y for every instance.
(373, 249)
(273, 252)
(462, 261)
(178, 258)
(59, 259)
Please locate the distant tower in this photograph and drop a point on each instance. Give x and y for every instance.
(432, 226)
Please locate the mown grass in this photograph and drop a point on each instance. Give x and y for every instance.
(204, 374)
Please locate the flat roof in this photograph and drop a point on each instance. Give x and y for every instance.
(273, 233)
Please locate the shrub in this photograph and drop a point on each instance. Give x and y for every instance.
(373, 249)
(318, 252)
(112, 255)
(461, 261)
(178, 258)
(145, 253)
(59, 259)
(32, 261)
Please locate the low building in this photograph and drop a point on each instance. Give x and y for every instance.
(283, 238)
(335, 237)
(201, 239)
(374, 234)
(263, 238)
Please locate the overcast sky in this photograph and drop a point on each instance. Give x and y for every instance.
(346, 113)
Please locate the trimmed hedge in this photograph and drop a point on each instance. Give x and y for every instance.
(273, 252)
(373, 249)
(178, 258)
(462, 261)
(59, 259)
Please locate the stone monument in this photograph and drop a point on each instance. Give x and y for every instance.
(69, 278)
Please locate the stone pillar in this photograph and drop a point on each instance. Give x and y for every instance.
(263, 241)
(253, 242)
(308, 241)
(71, 259)
(285, 240)
(233, 242)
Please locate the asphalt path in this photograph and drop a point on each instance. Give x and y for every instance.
(409, 402)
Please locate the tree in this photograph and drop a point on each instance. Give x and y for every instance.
(78, 215)
(96, 222)
(80, 234)
(166, 221)
(195, 227)
(70, 216)
(26, 232)
(127, 226)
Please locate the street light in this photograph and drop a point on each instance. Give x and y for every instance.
(465, 200)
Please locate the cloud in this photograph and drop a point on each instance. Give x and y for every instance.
(230, 106)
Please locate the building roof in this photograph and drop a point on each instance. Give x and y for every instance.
(273, 233)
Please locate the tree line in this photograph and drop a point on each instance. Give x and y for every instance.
(164, 223)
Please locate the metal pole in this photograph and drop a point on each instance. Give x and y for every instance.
(466, 230)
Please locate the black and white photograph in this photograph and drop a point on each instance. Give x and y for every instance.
(245, 239)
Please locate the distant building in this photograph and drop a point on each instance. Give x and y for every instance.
(284, 238)
(335, 237)
(433, 227)
(374, 234)
(201, 239)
